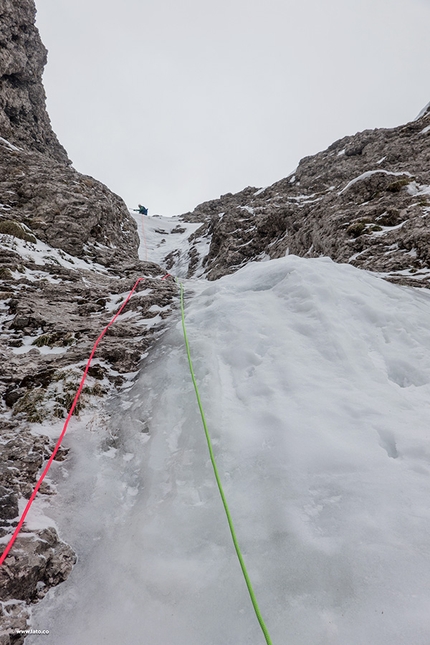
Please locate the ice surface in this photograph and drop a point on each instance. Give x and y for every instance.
(259, 191)
(369, 173)
(158, 238)
(9, 145)
(418, 189)
(423, 111)
(315, 379)
(248, 209)
(37, 518)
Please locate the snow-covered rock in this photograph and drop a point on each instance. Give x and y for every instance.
(347, 202)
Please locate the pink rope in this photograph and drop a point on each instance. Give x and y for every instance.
(69, 416)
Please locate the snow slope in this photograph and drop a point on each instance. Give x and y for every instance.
(168, 236)
(315, 378)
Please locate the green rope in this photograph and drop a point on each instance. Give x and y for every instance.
(218, 480)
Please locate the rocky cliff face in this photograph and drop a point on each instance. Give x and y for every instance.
(23, 117)
(64, 209)
(68, 256)
(38, 187)
(365, 201)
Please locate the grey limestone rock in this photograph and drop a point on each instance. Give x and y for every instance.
(39, 561)
(37, 185)
(365, 201)
(65, 209)
(45, 308)
(68, 254)
(24, 120)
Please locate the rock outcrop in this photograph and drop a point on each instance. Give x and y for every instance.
(365, 200)
(38, 188)
(68, 256)
(64, 209)
(24, 120)
(51, 312)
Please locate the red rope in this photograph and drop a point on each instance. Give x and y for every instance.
(69, 416)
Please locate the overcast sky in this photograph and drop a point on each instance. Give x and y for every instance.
(174, 102)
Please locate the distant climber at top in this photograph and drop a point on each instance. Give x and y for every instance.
(141, 209)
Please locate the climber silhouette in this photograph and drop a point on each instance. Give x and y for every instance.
(141, 209)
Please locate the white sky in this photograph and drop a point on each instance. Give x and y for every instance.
(173, 102)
